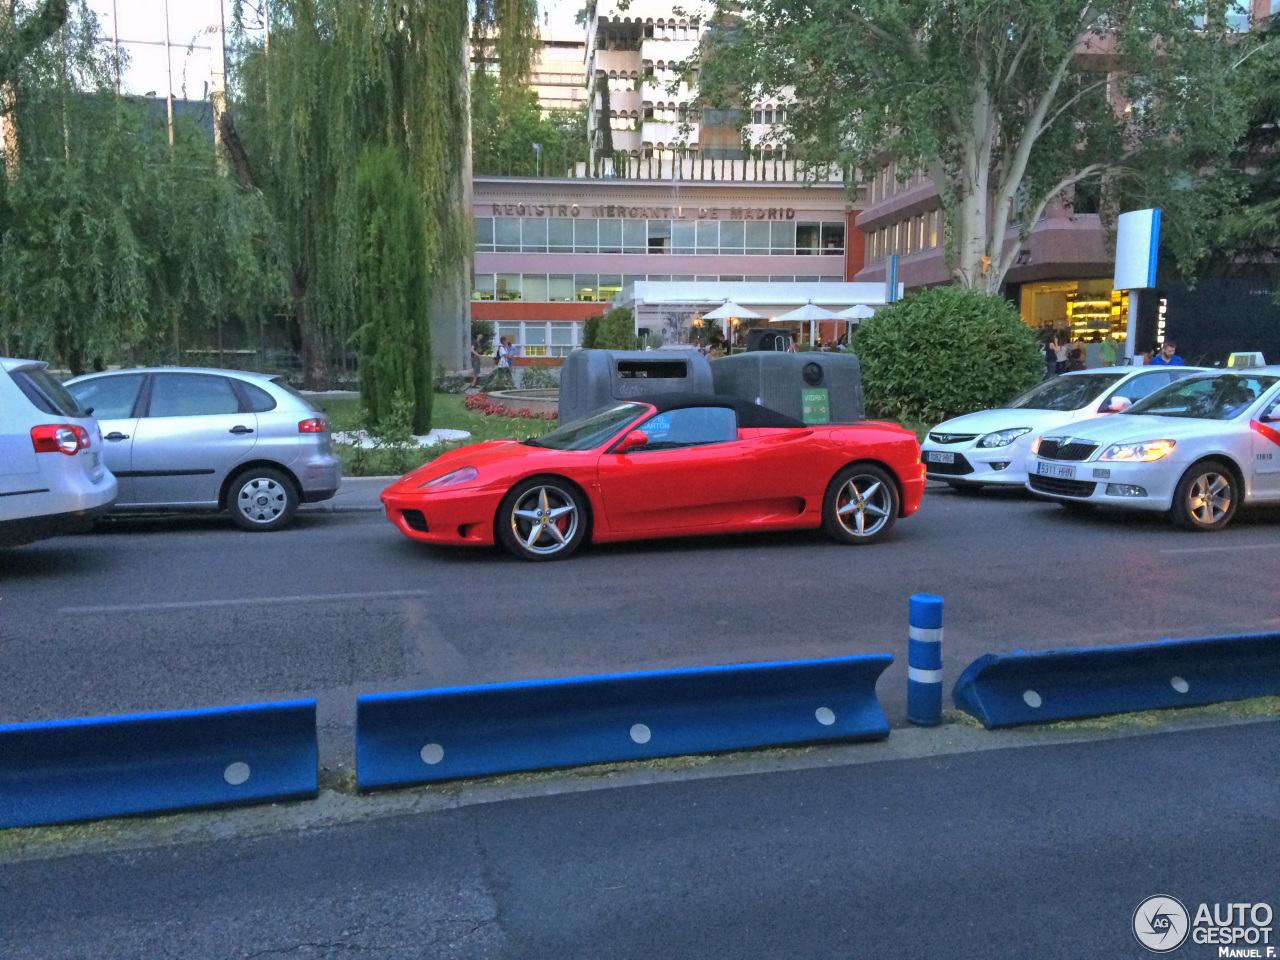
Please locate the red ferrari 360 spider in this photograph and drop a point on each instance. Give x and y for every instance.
(675, 465)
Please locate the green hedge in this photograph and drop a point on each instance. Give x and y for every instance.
(943, 352)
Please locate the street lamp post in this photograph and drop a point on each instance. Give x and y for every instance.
(537, 151)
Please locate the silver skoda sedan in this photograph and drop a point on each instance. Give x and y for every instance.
(200, 439)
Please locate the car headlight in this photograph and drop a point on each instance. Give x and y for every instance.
(1002, 438)
(1144, 452)
(1035, 444)
(451, 479)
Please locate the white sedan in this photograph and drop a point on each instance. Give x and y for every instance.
(1199, 448)
(991, 446)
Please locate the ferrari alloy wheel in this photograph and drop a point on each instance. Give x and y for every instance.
(262, 499)
(542, 519)
(1206, 497)
(861, 504)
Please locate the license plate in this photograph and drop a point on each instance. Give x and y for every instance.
(1056, 470)
(937, 456)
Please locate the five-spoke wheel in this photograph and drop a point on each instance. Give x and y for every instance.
(262, 499)
(542, 519)
(861, 504)
(1206, 497)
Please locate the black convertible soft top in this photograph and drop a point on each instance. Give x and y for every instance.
(749, 414)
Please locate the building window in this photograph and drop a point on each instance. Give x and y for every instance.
(560, 288)
(732, 237)
(533, 234)
(782, 238)
(708, 236)
(682, 236)
(586, 236)
(833, 238)
(484, 233)
(935, 218)
(482, 287)
(585, 289)
(610, 286)
(808, 237)
(560, 235)
(507, 233)
(533, 287)
(659, 236)
(768, 113)
(610, 236)
(508, 286)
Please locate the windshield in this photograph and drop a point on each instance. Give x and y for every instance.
(1205, 398)
(46, 393)
(590, 431)
(1064, 393)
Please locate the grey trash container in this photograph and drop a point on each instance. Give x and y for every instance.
(592, 379)
(762, 338)
(813, 387)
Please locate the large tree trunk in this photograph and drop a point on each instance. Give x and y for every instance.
(315, 352)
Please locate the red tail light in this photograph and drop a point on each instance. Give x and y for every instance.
(314, 425)
(59, 438)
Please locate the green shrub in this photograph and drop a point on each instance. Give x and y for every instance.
(538, 378)
(499, 378)
(943, 352)
(617, 330)
(483, 328)
(450, 383)
(591, 332)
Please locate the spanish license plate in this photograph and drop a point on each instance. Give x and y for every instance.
(1056, 470)
(938, 456)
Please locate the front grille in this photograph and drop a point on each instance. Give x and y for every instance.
(957, 469)
(415, 520)
(952, 437)
(1063, 488)
(1064, 448)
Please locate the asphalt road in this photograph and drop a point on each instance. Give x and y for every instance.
(1039, 852)
(159, 614)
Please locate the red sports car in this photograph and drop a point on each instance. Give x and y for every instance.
(677, 464)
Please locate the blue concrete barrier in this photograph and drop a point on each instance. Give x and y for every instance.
(147, 762)
(924, 660)
(411, 737)
(1003, 690)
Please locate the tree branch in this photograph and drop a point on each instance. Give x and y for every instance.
(1007, 257)
(30, 34)
(235, 148)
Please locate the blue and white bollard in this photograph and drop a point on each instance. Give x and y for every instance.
(924, 661)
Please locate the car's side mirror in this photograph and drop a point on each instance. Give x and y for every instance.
(1117, 404)
(636, 438)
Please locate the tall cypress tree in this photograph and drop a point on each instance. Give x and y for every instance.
(391, 289)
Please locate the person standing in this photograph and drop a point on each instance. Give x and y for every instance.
(1107, 351)
(1168, 355)
(1051, 357)
(477, 351)
(505, 353)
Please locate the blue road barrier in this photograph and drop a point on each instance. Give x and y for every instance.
(924, 660)
(411, 737)
(1002, 690)
(147, 762)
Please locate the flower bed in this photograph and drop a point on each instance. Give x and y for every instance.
(481, 403)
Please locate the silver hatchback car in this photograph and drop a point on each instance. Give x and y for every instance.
(200, 439)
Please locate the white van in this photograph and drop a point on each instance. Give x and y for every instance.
(52, 478)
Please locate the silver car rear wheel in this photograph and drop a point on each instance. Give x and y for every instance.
(262, 499)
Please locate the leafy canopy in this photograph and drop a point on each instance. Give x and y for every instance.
(1006, 104)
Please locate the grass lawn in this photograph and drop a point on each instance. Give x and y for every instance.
(448, 412)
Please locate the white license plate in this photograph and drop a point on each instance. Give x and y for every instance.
(1056, 470)
(937, 456)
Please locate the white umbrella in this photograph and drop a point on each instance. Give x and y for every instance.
(857, 313)
(811, 313)
(729, 311)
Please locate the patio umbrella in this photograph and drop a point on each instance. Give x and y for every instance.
(812, 313)
(729, 311)
(855, 314)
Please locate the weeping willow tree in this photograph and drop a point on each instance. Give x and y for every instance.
(332, 79)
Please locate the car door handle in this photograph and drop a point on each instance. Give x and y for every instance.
(241, 430)
(116, 435)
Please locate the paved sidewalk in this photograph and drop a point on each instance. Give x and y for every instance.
(356, 495)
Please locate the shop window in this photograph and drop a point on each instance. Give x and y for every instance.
(560, 235)
(533, 236)
(732, 237)
(507, 234)
(659, 236)
(508, 286)
(533, 287)
(682, 236)
(610, 236)
(757, 237)
(610, 286)
(584, 287)
(560, 288)
(484, 233)
(586, 236)
(782, 238)
(807, 238)
(708, 236)
(833, 238)
(482, 288)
